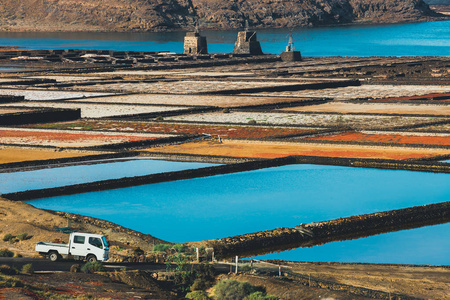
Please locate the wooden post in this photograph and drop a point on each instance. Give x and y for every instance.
(198, 256)
(390, 289)
(237, 259)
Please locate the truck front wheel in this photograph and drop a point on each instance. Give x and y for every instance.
(53, 256)
(91, 258)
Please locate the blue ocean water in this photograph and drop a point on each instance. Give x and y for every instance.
(62, 176)
(227, 205)
(416, 39)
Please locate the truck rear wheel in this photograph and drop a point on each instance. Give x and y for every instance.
(91, 258)
(53, 256)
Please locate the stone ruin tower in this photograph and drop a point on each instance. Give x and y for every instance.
(247, 43)
(194, 43)
(291, 54)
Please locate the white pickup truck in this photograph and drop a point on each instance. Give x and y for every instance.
(91, 247)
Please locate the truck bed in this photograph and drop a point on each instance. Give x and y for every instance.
(53, 244)
(46, 247)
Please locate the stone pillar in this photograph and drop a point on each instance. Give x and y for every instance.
(290, 54)
(247, 43)
(194, 43)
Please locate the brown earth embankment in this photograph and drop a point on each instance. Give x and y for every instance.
(312, 234)
(147, 179)
(40, 225)
(225, 169)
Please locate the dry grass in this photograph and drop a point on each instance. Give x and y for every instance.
(18, 217)
(234, 148)
(16, 154)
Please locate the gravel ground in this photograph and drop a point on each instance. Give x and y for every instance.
(439, 128)
(85, 132)
(379, 108)
(69, 138)
(41, 95)
(10, 79)
(366, 91)
(12, 110)
(64, 78)
(209, 100)
(101, 110)
(354, 121)
(310, 64)
(415, 133)
(172, 73)
(178, 87)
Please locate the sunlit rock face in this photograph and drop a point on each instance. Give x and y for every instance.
(154, 15)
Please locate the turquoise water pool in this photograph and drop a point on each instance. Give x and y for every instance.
(227, 205)
(425, 245)
(15, 69)
(62, 176)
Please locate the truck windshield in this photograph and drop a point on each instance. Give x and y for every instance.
(105, 242)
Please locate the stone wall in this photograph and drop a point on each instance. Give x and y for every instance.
(227, 169)
(308, 235)
(46, 115)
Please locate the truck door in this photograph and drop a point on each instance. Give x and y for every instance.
(96, 247)
(79, 245)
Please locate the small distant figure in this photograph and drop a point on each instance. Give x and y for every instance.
(220, 140)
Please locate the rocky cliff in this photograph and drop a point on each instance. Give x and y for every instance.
(153, 15)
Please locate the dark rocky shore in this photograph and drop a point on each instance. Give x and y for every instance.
(156, 15)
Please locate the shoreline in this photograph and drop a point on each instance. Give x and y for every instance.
(215, 29)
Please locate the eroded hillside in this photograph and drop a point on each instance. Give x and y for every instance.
(153, 15)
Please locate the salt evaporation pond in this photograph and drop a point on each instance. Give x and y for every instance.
(422, 246)
(62, 176)
(15, 69)
(232, 204)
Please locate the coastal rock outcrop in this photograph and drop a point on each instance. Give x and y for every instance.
(154, 15)
(381, 11)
